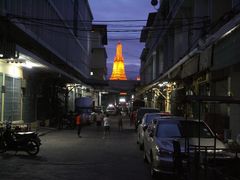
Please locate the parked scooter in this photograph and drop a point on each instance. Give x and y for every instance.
(19, 141)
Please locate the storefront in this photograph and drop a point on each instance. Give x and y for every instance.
(11, 76)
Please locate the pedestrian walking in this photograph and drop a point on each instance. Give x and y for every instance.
(133, 116)
(106, 124)
(99, 119)
(120, 121)
(78, 124)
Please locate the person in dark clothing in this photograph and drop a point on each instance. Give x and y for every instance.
(120, 121)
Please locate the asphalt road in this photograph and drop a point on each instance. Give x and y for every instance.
(63, 155)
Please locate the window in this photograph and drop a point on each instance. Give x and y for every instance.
(168, 130)
(151, 117)
(12, 101)
(191, 129)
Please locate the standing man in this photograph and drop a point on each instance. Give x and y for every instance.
(106, 124)
(78, 123)
(120, 121)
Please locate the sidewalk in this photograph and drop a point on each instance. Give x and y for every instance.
(42, 131)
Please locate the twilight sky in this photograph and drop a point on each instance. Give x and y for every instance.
(118, 11)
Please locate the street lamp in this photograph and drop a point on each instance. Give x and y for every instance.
(154, 2)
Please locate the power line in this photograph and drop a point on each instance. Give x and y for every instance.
(45, 27)
(150, 29)
(49, 23)
(101, 21)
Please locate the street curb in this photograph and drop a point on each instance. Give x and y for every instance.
(46, 131)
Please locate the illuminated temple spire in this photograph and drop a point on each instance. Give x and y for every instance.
(118, 72)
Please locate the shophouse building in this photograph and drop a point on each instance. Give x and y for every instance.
(45, 53)
(190, 63)
(99, 54)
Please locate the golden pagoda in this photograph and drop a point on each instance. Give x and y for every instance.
(118, 72)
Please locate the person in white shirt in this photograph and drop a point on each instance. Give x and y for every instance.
(99, 118)
(106, 124)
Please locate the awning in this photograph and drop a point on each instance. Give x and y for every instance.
(190, 67)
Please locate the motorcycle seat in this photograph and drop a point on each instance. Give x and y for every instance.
(24, 133)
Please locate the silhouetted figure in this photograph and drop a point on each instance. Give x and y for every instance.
(78, 123)
(120, 121)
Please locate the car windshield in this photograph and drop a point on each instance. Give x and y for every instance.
(183, 129)
(191, 129)
(141, 112)
(150, 117)
(168, 130)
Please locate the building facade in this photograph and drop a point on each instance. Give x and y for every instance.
(99, 54)
(190, 55)
(45, 52)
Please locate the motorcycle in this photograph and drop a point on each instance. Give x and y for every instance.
(19, 141)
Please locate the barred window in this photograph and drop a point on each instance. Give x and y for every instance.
(12, 100)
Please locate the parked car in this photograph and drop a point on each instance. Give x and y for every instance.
(146, 120)
(111, 110)
(140, 113)
(159, 137)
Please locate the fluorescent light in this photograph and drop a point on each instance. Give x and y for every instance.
(122, 100)
(28, 65)
(229, 32)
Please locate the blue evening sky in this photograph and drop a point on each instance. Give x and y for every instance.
(105, 10)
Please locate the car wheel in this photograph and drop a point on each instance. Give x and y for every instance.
(145, 157)
(153, 172)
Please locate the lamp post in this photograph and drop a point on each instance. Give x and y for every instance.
(154, 2)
